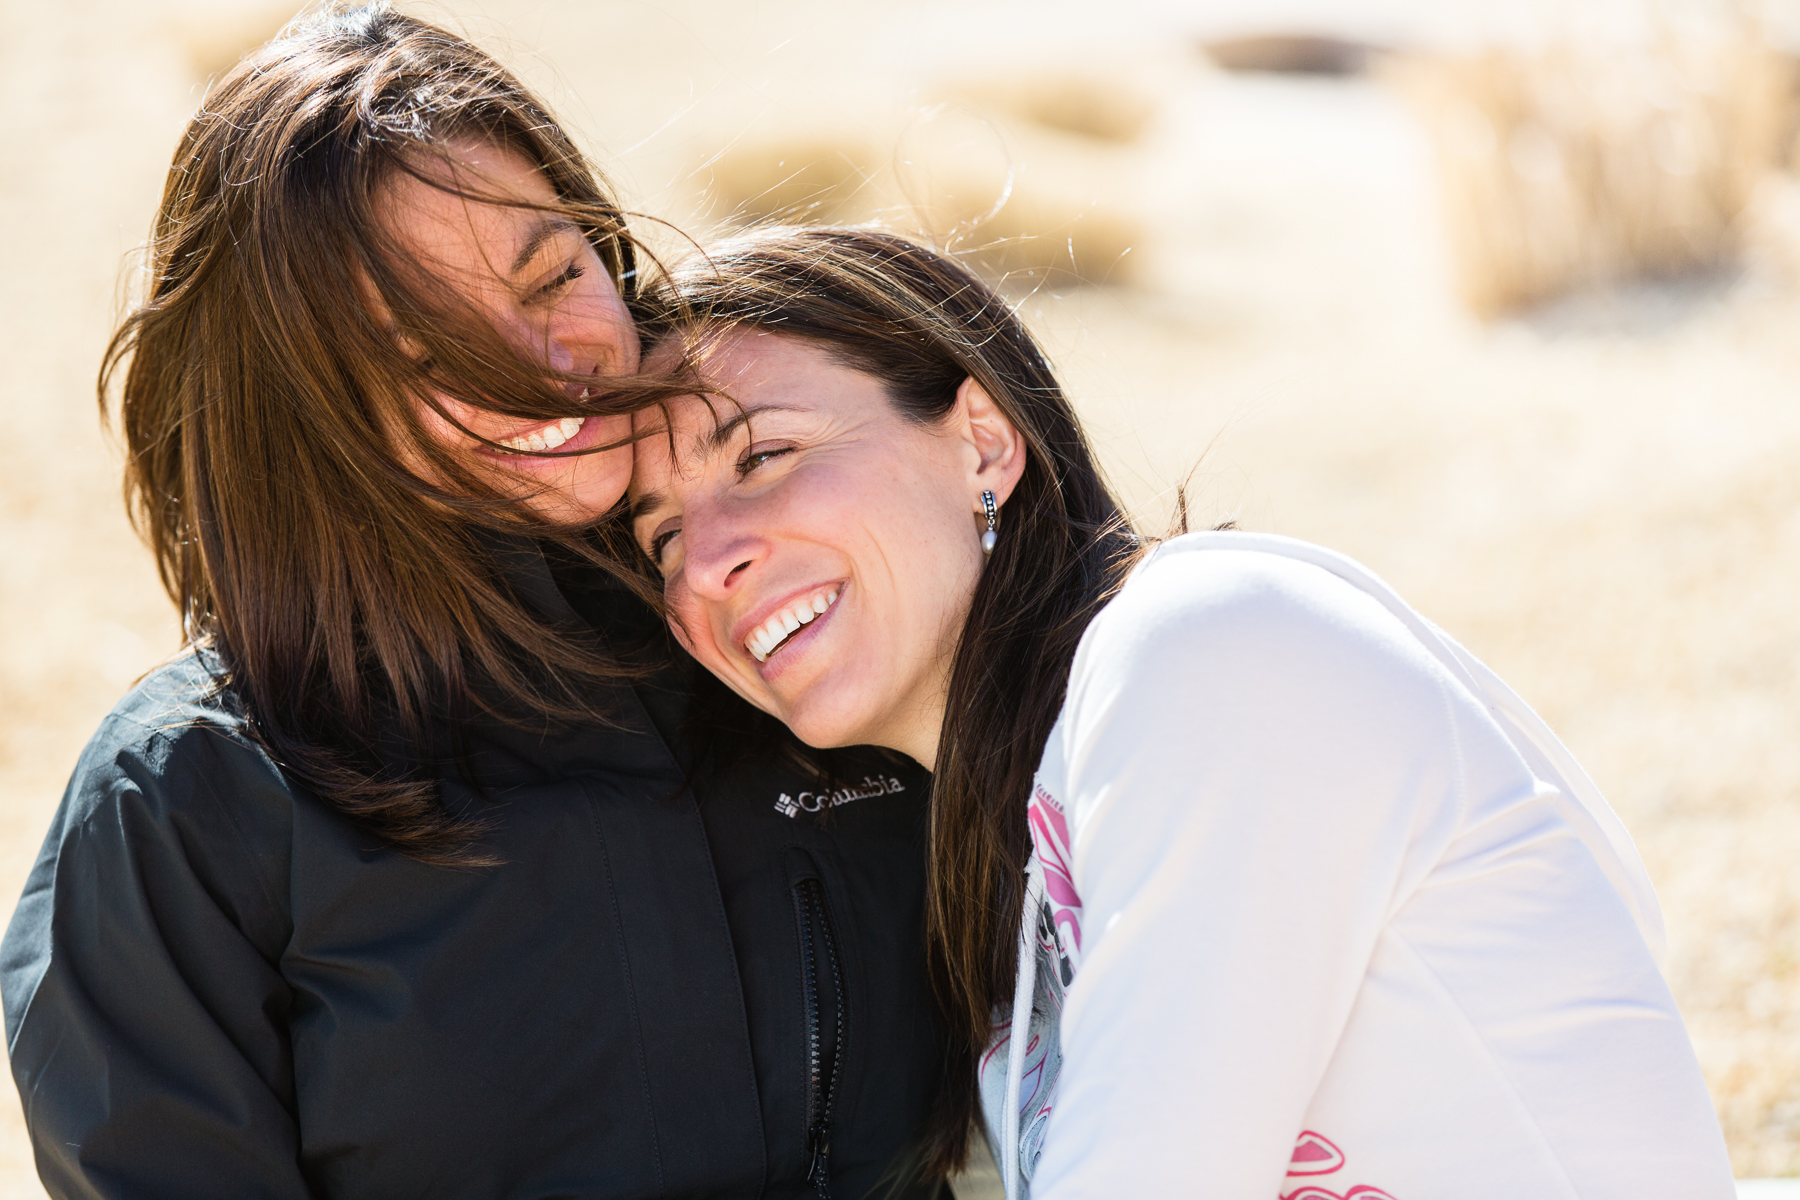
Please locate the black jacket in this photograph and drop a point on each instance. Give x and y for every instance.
(216, 986)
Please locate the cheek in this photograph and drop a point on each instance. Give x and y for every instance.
(609, 469)
(680, 623)
(615, 431)
(436, 429)
(688, 622)
(936, 563)
(610, 326)
(439, 428)
(936, 535)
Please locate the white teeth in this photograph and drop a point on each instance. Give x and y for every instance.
(547, 437)
(772, 632)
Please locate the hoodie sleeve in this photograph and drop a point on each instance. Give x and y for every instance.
(145, 1014)
(1257, 761)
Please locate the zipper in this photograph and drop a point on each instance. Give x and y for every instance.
(823, 1002)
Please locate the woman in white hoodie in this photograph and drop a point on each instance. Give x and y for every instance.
(1290, 896)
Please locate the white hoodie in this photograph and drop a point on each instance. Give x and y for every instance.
(1319, 909)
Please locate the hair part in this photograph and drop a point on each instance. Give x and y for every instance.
(921, 322)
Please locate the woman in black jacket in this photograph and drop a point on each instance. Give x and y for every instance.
(429, 867)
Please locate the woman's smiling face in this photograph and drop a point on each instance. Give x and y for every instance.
(535, 276)
(819, 548)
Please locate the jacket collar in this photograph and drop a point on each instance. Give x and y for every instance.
(585, 601)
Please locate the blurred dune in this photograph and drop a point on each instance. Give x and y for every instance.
(1541, 377)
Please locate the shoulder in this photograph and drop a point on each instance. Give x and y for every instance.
(172, 782)
(172, 813)
(179, 729)
(1268, 688)
(1239, 631)
(1222, 574)
(1227, 596)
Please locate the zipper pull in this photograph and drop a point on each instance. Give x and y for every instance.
(819, 1144)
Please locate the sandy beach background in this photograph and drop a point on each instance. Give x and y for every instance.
(1583, 462)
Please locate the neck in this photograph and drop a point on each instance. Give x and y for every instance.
(917, 732)
(922, 745)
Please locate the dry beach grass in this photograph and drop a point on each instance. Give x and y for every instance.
(1586, 166)
(1598, 495)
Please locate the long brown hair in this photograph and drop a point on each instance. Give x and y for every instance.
(357, 610)
(921, 323)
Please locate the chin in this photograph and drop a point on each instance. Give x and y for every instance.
(823, 729)
(586, 501)
(594, 488)
(820, 735)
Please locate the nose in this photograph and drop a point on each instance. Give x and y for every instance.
(550, 343)
(720, 552)
(557, 354)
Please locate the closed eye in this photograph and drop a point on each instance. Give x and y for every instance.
(755, 458)
(569, 275)
(660, 542)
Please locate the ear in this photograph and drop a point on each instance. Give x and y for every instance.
(999, 447)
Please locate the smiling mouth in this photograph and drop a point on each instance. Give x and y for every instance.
(546, 437)
(774, 633)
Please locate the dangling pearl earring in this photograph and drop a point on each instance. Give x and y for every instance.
(993, 512)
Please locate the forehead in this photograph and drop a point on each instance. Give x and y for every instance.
(754, 374)
(744, 370)
(753, 361)
(762, 368)
(448, 214)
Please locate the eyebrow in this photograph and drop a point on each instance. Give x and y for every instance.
(717, 440)
(647, 502)
(721, 435)
(534, 241)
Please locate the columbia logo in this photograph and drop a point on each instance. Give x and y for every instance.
(812, 802)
